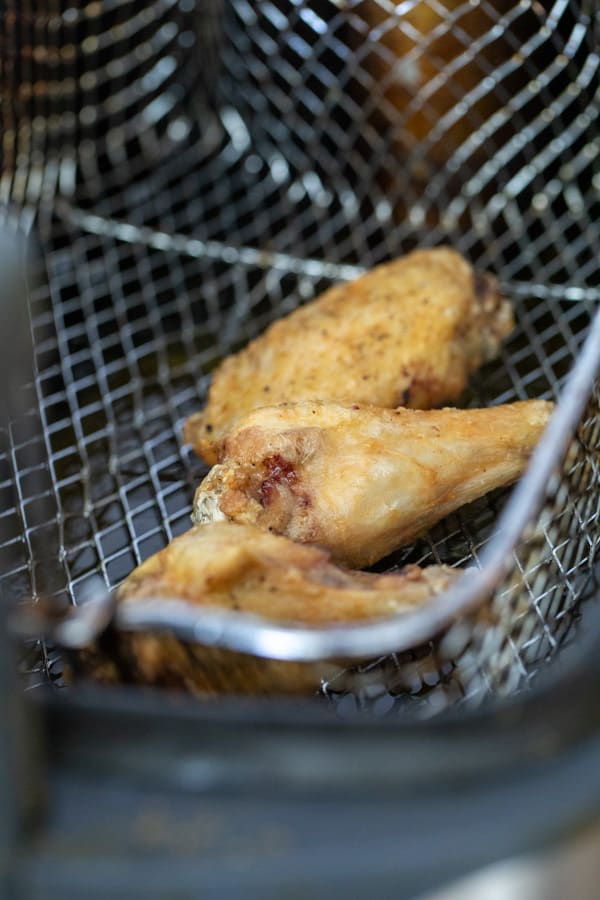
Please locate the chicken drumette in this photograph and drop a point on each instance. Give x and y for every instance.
(363, 481)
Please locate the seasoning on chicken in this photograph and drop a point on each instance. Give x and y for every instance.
(363, 481)
(408, 333)
(240, 567)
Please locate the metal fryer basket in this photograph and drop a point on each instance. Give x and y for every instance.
(149, 279)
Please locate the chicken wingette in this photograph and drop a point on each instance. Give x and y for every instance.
(408, 333)
(239, 567)
(362, 481)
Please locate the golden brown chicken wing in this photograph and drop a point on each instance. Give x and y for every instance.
(363, 481)
(408, 333)
(240, 567)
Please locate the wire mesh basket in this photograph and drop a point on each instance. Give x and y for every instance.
(337, 135)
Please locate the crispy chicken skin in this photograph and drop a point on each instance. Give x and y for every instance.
(241, 567)
(408, 333)
(363, 481)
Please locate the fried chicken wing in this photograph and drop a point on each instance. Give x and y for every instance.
(240, 567)
(363, 481)
(408, 333)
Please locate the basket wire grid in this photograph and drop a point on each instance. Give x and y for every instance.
(153, 271)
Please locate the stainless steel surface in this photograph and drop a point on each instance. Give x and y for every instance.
(148, 281)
